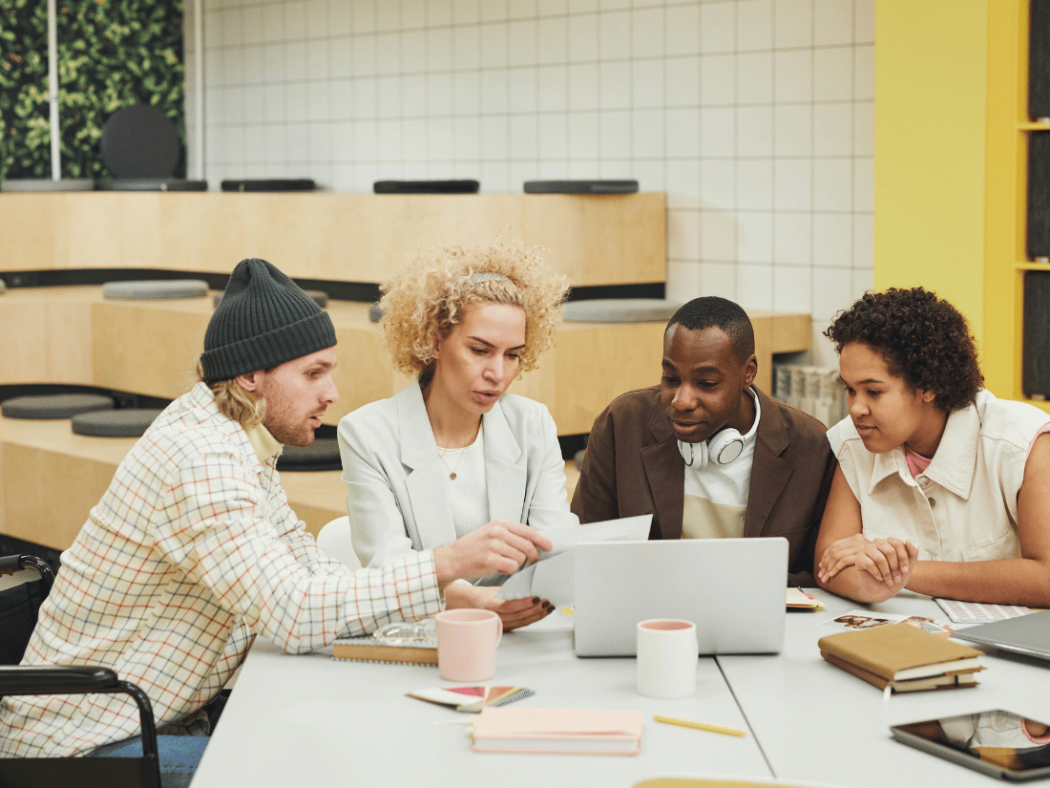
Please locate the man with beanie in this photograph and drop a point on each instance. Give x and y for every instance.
(193, 550)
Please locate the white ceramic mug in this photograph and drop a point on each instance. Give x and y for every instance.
(667, 658)
(467, 640)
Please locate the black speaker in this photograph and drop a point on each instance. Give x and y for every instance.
(1039, 60)
(1038, 230)
(1035, 361)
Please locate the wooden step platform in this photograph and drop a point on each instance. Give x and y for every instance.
(73, 335)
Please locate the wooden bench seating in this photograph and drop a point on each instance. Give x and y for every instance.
(73, 335)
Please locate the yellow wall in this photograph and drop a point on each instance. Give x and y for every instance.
(951, 135)
(930, 117)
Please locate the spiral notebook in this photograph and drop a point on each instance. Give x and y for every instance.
(367, 649)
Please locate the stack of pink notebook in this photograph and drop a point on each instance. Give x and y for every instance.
(569, 731)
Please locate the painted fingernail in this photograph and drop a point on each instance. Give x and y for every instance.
(535, 600)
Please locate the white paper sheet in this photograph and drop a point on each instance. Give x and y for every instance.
(553, 576)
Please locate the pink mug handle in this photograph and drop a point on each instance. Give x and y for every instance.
(499, 633)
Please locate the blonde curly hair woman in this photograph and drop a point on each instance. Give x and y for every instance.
(455, 451)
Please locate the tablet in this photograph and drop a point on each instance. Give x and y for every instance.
(998, 743)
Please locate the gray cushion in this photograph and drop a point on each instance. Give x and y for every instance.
(578, 459)
(126, 423)
(155, 289)
(45, 185)
(375, 312)
(54, 406)
(151, 185)
(321, 455)
(320, 297)
(621, 310)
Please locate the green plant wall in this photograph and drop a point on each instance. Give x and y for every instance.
(111, 53)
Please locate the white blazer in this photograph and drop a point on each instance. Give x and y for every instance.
(394, 476)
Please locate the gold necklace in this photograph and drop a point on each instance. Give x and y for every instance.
(462, 450)
(451, 470)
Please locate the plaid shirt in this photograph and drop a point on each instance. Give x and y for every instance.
(191, 553)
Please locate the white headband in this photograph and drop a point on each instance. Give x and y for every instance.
(486, 276)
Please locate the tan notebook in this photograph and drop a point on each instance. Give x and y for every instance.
(568, 731)
(946, 681)
(897, 653)
(368, 649)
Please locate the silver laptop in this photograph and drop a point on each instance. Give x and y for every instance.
(1025, 634)
(732, 589)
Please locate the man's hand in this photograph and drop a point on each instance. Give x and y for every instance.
(514, 613)
(499, 546)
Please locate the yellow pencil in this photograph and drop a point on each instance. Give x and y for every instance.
(704, 726)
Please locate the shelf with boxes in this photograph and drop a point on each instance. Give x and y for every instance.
(1018, 194)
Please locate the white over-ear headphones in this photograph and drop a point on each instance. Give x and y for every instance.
(723, 447)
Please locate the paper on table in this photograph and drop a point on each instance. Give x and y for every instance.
(553, 576)
(623, 529)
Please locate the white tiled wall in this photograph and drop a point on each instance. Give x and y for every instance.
(755, 116)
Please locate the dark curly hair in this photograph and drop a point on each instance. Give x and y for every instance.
(922, 338)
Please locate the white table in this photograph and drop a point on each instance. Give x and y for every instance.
(819, 724)
(313, 721)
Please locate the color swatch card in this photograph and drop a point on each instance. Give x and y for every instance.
(978, 613)
(471, 699)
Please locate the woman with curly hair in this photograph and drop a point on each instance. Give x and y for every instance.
(454, 451)
(941, 488)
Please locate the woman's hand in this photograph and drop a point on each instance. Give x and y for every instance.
(514, 613)
(888, 561)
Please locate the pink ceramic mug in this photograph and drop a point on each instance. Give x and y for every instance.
(467, 640)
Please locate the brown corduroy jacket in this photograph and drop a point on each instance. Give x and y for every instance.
(633, 467)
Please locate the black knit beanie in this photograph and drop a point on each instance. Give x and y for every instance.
(263, 320)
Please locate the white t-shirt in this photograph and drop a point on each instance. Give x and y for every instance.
(715, 500)
(963, 507)
(468, 492)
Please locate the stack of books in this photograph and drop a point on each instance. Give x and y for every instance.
(569, 731)
(903, 658)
